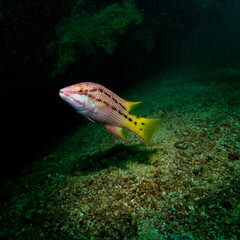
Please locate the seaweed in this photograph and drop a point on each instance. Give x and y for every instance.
(85, 33)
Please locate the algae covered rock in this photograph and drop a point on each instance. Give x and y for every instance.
(83, 32)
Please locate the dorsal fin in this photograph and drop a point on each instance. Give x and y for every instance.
(130, 106)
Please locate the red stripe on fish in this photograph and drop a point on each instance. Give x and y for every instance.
(79, 102)
(113, 98)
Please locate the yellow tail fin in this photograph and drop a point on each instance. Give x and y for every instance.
(145, 128)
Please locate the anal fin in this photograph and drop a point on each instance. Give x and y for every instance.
(117, 131)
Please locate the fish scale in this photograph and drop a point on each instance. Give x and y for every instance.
(112, 106)
(99, 104)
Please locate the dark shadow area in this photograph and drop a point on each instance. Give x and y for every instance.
(117, 156)
(38, 173)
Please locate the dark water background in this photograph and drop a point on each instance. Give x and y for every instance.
(172, 33)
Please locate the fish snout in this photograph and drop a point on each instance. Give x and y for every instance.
(63, 94)
(78, 101)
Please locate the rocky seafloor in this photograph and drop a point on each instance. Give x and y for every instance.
(90, 185)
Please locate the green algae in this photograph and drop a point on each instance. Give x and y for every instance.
(86, 33)
(65, 60)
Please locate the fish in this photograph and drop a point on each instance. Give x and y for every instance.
(100, 105)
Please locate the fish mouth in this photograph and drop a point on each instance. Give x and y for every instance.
(63, 95)
(66, 97)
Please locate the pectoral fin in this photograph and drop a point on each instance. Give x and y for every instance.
(118, 131)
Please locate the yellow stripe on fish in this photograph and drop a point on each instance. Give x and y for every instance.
(101, 105)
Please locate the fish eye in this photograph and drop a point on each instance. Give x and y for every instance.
(80, 89)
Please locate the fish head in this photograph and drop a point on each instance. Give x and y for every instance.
(76, 95)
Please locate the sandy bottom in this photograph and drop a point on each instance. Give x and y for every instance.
(90, 185)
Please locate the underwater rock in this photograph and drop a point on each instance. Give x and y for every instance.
(233, 156)
(191, 219)
(174, 237)
(198, 170)
(181, 145)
